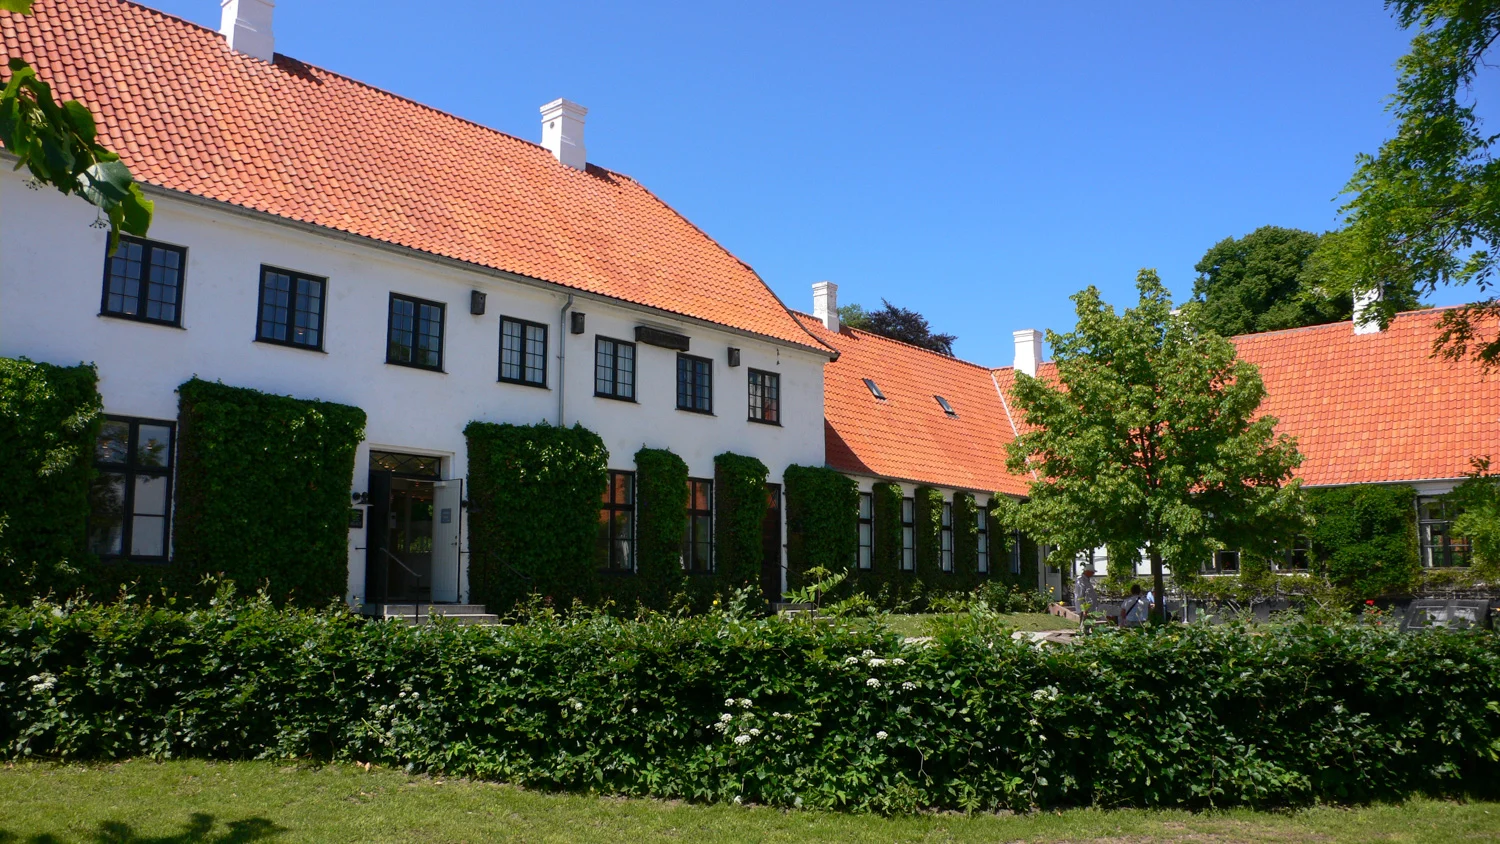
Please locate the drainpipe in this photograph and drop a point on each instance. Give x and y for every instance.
(562, 356)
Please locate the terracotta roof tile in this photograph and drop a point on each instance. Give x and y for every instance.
(289, 139)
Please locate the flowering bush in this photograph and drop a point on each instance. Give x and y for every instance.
(837, 714)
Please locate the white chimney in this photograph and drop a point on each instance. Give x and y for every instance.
(246, 25)
(826, 304)
(1028, 350)
(562, 132)
(1366, 311)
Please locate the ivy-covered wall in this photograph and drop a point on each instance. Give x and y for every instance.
(661, 522)
(884, 580)
(739, 520)
(928, 539)
(1364, 537)
(49, 420)
(263, 490)
(965, 542)
(534, 493)
(822, 521)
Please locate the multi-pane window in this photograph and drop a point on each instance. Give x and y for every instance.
(1015, 552)
(1224, 562)
(143, 281)
(414, 335)
(908, 534)
(984, 540)
(1435, 533)
(946, 561)
(698, 542)
(695, 384)
(291, 308)
(616, 545)
(131, 496)
(1294, 555)
(614, 369)
(866, 530)
(523, 352)
(765, 397)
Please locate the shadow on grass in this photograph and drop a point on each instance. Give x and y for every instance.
(200, 829)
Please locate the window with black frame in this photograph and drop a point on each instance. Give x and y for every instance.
(695, 384)
(698, 542)
(616, 545)
(614, 369)
(1439, 547)
(765, 397)
(291, 308)
(983, 516)
(414, 333)
(523, 352)
(946, 561)
(1294, 556)
(866, 530)
(1015, 552)
(908, 534)
(130, 499)
(1224, 562)
(143, 281)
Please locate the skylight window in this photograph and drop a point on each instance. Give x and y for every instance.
(947, 408)
(874, 390)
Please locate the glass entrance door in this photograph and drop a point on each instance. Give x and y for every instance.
(412, 539)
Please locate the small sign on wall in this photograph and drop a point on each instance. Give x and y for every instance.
(446, 516)
(356, 518)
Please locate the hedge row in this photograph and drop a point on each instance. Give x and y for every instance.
(789, 713)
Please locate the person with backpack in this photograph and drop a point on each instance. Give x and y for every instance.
(1136, 609)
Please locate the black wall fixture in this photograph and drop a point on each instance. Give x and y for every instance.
(734, 356)
(658, 337)
(476, 303)
(576, 322)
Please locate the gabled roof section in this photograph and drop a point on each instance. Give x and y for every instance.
(299, 142)
(908, 436)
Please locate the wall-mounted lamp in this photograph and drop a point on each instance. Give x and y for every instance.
(734, 356)
(476, 303)
(361, 498)
(576, 326)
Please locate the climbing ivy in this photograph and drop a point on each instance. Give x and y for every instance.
(822, 521)
(739, 519)
(965, 541)
(928, 542)
(1364, 537)
(263, 490)
(661, 523)
(534, 493)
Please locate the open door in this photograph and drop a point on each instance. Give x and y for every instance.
(377, 535)
(770, 566)
(447, 515)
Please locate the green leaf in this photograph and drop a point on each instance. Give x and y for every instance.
(81, 119)
(20, 7)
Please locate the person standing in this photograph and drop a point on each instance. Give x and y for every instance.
(1086, 596)
(1136, 609)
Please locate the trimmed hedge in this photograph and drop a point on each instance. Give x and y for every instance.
(263, 487)
(965, 542)
(661, 523)
(822, 521)
(1365, 537)
(49, 420)
(739, 520)
(928, 540)
(716, 708)
(534, 493)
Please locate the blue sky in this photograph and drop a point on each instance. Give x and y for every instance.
(977, 162)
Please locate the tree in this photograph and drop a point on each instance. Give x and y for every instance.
(57, 143)
(897, 324)
(1424, 209)
(1148, 438)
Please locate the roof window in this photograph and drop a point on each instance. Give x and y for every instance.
(874, 390)
(947, 408)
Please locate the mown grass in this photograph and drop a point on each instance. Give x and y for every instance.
(921, 624)
(194, 801)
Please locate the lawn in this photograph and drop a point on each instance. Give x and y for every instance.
(919, 624)
(191, 801)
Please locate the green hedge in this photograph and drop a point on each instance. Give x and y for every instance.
(263, 487)
(534, 493)
(1364, 537)
(928, 540)
(822, 521)
(49, 420)
(739, 520)
(885, 581)
(715, 708)
(965, 542)
(661, 523)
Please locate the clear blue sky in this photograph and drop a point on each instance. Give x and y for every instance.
(976, 162)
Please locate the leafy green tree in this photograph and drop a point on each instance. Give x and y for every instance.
(855, 317)
(1149, 437)
(57, 143)
(1478, 499)
(1424, 210)
(898, 324)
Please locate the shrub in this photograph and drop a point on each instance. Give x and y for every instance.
(822, 521)
(49, 419)
(661, 512)
(1478, 499)
(965, 541)
(739, 520)
(928, 540)
(263, 490)
(1364, 538)
(534, 493)
(837, 714)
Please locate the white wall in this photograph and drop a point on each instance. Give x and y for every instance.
(51, 276)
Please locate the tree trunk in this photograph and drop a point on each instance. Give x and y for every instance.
(1158, 586)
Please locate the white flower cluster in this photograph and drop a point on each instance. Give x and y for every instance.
(41, 683)
(873, 683)
(908, 686)
(742, 739)
(882, 735)
(1045, 693)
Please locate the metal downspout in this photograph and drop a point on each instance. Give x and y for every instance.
(562, 357)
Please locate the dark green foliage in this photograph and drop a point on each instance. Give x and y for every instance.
(661, 523)
(1478, 502)
(928, 540)
(534, 493)
(1265, 281)
(739, 519)
(885, 577)
(49, 419)
(1365, 537)
(965, 541)
(822, 521)
(972, 721)
(263, 490)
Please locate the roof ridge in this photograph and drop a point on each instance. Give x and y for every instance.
(1403, 314)
(883, 338)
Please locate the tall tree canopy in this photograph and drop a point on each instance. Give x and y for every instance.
(1424, 210)
(897, 324)
(1149, 438)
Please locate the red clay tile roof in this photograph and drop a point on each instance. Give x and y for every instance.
(908, 437)
(188, 114)
(1376, 407)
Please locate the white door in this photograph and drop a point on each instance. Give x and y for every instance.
(446, 516)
